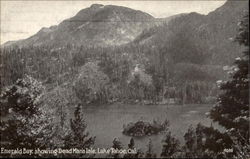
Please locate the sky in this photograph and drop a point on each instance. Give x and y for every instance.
(21, 19)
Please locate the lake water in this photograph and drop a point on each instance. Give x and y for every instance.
(106, 121)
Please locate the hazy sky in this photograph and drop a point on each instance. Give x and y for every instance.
(21, 19)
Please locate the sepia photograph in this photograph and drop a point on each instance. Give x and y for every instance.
(124, 79)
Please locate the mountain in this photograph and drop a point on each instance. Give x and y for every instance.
(199, 39)
(99, 25)
(184, 52)
(187, 38)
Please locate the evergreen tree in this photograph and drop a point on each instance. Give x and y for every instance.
(150, 153)
(190, 142)
(27, 124)
(232, 108)
(170, 145)
(78, 137)
(117, 145)
(91, 84)
(131, 146)
(231, 112)
(205, 142)
(58, 102)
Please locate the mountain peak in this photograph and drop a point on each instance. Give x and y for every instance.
(95, 6)
(99, 25)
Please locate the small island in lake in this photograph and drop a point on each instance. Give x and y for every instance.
(142, 128)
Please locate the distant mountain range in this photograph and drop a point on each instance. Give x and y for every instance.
(207, 37)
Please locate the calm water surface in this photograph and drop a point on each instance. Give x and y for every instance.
(106, 121)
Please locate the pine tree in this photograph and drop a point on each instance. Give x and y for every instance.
(27, 124)
(190, 142)
(131, 146)
(205, 142)
(170, 145)
(91, 84)
(78, 137)
(232, 108)
(150, 153)
(117, 145)
(57, 101)
(231, 111)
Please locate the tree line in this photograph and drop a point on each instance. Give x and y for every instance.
(133, 72)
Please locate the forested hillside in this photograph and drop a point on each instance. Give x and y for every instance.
(176, 60)
(115, 69)
(196, 38)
